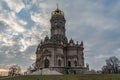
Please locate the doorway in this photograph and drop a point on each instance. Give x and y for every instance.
(46, 63)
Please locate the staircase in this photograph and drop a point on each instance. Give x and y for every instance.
(46, 72)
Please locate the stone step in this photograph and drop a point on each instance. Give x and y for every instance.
(46, 72)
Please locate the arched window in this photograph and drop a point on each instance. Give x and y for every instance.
(59, 62)
(75, 63)
(69, 64)
(46, 63)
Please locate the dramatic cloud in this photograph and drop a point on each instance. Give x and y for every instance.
(23, 23)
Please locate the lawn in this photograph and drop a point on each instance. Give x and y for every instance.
(69, 77)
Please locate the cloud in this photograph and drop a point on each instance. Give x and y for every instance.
(14, 6)
(97, 26)
(40, 19)
(23, 25)
(12, 21)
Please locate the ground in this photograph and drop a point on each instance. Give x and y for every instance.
(68, 77)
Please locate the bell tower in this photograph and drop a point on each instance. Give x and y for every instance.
(58, 26)
(58, 54)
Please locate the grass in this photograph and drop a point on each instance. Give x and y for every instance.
(69, 77)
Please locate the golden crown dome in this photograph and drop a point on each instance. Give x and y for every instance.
(57, 12)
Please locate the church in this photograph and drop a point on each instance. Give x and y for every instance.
(57, 53)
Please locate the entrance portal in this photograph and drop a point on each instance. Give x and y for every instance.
(46, 63)
(69, 64)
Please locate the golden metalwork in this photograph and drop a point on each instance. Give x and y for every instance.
(57, 11)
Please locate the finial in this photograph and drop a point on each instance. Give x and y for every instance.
(41, 42)
(57, 5)
(71, 41)
(81, 43)
(57, 11)
(77, 42)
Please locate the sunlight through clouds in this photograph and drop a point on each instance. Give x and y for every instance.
(24, 23)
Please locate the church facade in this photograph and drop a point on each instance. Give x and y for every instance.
(57, 52)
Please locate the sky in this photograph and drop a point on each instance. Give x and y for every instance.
(24, 23)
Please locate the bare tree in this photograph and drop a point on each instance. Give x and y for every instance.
(14, 70)
(112, 65)
(105, 69)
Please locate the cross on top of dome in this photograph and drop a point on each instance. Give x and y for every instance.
(57, 12)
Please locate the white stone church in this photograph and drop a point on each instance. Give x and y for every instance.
(58, 54)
